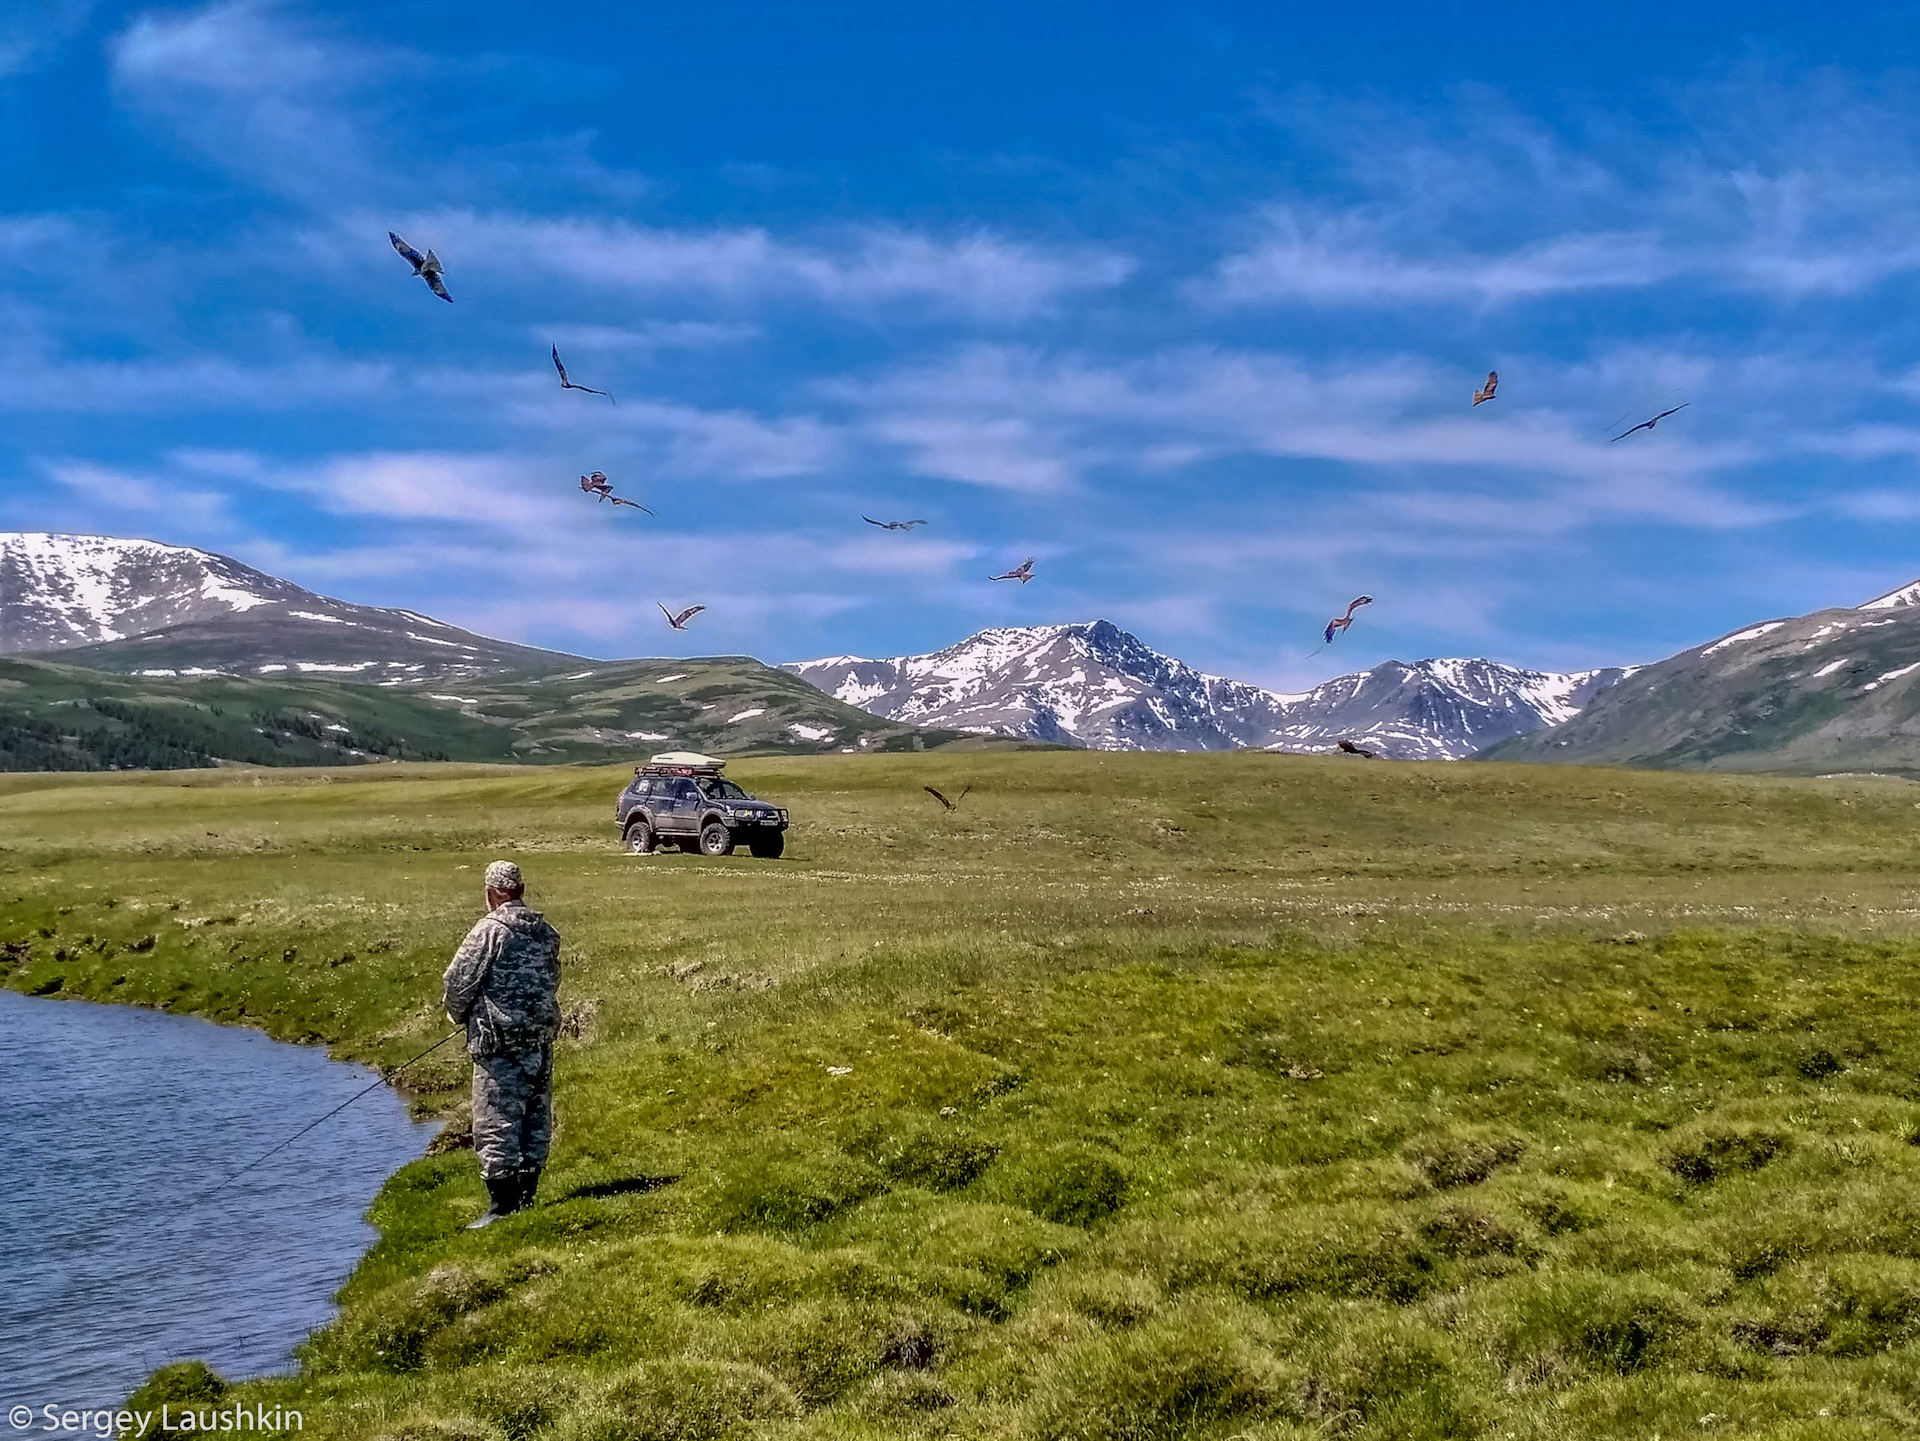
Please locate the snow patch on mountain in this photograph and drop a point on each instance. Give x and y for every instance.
(1092, 684)
(58, 591)
(1752, 632)
(1908, 594)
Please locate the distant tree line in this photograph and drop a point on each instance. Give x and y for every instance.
(103, 734)
(30, 743)
(363, 737)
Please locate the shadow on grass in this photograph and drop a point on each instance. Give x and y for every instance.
(620, 1186)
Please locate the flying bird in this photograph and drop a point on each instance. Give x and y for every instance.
(566, 384)
(1353, 750)
(1341, 622)
(1022, 572)
(679, 622)
(952, 805)
(599, 486)
(1485, 392)
(1650, 424)
(427, 266)
(892, 524)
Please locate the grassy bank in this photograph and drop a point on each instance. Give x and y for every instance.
(1142, 1096)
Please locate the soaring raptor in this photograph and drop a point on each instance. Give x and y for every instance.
(427, 266)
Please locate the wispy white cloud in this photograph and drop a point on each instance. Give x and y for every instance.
(648, 338)
(1824, 201)
(102, 487)
(1889, 505)
(177, 383)
(485, 492)
(687, 441)
(1342, 260)
(255, 90)
(974, 274)
(1015, 418)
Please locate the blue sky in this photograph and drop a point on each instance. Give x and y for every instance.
(1185, 301)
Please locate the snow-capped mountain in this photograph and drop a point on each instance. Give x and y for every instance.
(58, 591)
(1437, 709)
(143, 608)
(1092, 684)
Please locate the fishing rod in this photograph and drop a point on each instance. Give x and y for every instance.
(384, 1080)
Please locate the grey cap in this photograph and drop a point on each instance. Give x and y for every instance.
(504, 876)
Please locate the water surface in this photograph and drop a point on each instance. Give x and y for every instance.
(114, 1121)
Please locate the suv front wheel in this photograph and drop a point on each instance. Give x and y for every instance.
(715, 840)
(641, 839)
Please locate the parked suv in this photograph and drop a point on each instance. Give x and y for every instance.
(682, 799)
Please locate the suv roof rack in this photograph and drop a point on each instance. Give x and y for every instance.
(681, 763)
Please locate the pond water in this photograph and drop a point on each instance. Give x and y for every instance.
(114, 1121)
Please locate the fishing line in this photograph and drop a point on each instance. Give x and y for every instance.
(384, 1080)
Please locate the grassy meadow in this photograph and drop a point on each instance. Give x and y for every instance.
(1226, 1096)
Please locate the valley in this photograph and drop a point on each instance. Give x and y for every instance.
(1213, 1094)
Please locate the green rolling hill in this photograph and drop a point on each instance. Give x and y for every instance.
(1835, 690)
(60, 717)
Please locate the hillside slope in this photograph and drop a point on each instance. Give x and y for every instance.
(1835, 690)
(55, 717)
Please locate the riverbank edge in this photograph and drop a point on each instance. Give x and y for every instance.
(190, 1381)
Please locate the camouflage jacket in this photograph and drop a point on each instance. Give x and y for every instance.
(504, 982)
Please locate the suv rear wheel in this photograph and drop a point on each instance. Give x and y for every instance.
(768, 848)
(715, 840)
(641, 839)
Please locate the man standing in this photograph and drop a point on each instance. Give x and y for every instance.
(503, 985)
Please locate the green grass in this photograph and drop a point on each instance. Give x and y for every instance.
(1144, 1096)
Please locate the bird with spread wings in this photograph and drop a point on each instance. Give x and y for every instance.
(1353, 750)
(427, 266)
(598, 486)
(1022, 572)
(952, 805)
(892, 524)
(1340, 622)
(1650, 424)
(566, 384)
(679, 622)
(1485, 392)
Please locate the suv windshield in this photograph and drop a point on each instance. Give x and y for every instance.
(723, 790)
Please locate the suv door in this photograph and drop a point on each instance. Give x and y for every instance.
(684, 816)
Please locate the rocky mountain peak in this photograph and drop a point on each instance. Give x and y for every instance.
(1094, 684)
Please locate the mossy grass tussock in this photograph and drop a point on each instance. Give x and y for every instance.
(1145, 1096)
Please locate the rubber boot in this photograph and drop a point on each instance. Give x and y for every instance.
(529, 1183)
(502, 1192)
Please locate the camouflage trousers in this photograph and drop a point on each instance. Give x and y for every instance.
(512, 1110)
